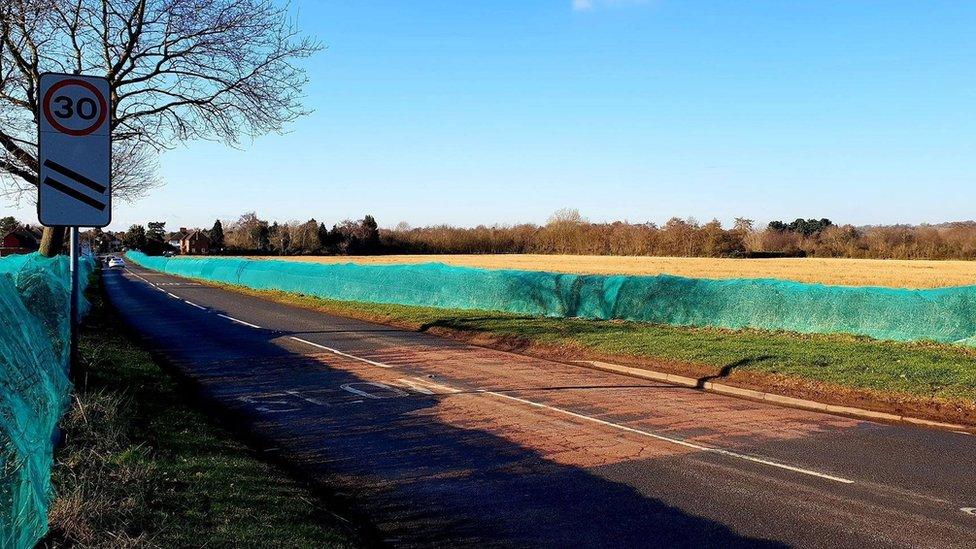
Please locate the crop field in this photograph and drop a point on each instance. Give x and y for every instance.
(845, 272)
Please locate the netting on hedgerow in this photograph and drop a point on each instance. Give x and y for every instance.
(34, 322)
(944, 315)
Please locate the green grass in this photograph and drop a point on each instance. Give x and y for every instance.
(139, 466)
(918, 369)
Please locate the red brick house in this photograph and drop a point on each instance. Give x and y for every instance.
(19, 241)
(195, 243)
(174, 239)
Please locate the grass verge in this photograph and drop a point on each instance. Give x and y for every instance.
(140, 467)
(926, 380)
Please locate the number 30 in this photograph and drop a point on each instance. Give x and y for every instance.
(86, 108)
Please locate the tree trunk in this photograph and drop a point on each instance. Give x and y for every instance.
(52, 241)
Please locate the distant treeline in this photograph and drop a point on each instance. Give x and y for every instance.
(252, 235)
(567, 232)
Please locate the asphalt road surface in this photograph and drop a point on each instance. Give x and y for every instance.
(443, 443)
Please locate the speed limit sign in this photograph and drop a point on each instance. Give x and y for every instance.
(74, 151)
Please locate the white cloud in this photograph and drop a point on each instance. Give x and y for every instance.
(587, 5)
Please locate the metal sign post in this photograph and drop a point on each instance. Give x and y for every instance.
(75, 164)
(74, 312)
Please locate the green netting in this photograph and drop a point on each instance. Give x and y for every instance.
(945, 315)
(34, 320)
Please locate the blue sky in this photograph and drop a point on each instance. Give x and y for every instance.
(503, 111)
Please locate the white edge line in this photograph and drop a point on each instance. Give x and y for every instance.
(232, 319)
(679, 442)
(192, 304)
(340, 353)
(174, 296)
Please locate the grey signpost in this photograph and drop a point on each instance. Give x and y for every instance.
(74, 163)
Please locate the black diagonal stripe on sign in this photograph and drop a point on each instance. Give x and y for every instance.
(68, 172)
(57, 185)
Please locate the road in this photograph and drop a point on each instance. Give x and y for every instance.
(443, 443)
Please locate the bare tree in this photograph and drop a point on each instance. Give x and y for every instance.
(179, 70)
(305, 237)
(744, 225)
(567, 216)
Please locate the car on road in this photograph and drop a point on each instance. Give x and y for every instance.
(116, 263)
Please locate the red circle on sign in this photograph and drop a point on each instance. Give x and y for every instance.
(102, 107)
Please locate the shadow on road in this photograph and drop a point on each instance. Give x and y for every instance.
(418, 479)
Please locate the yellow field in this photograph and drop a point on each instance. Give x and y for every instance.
(848, 272)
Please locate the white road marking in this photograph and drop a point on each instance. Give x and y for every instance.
(439, 386)
(146, 281)
(307, 398)
(187, 301)
(264, 405)
(232, 319)
(677, 441)
(351, 387)
(139, 277)
(415, 386)
(969, 510)
(340, 353)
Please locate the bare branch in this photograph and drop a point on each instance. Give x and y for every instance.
(15, 170)
(179, 70)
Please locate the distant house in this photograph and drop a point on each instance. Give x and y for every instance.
(22, 240)
(113, 242)
(195, 243)
(174, 239)
(107, 242)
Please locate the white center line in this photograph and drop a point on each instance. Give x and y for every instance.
(415, 386)
(232, 319)
(438, 386)
(677, 441)
(187, 301)
(146, 281)
(340, 353)
(139, 277)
